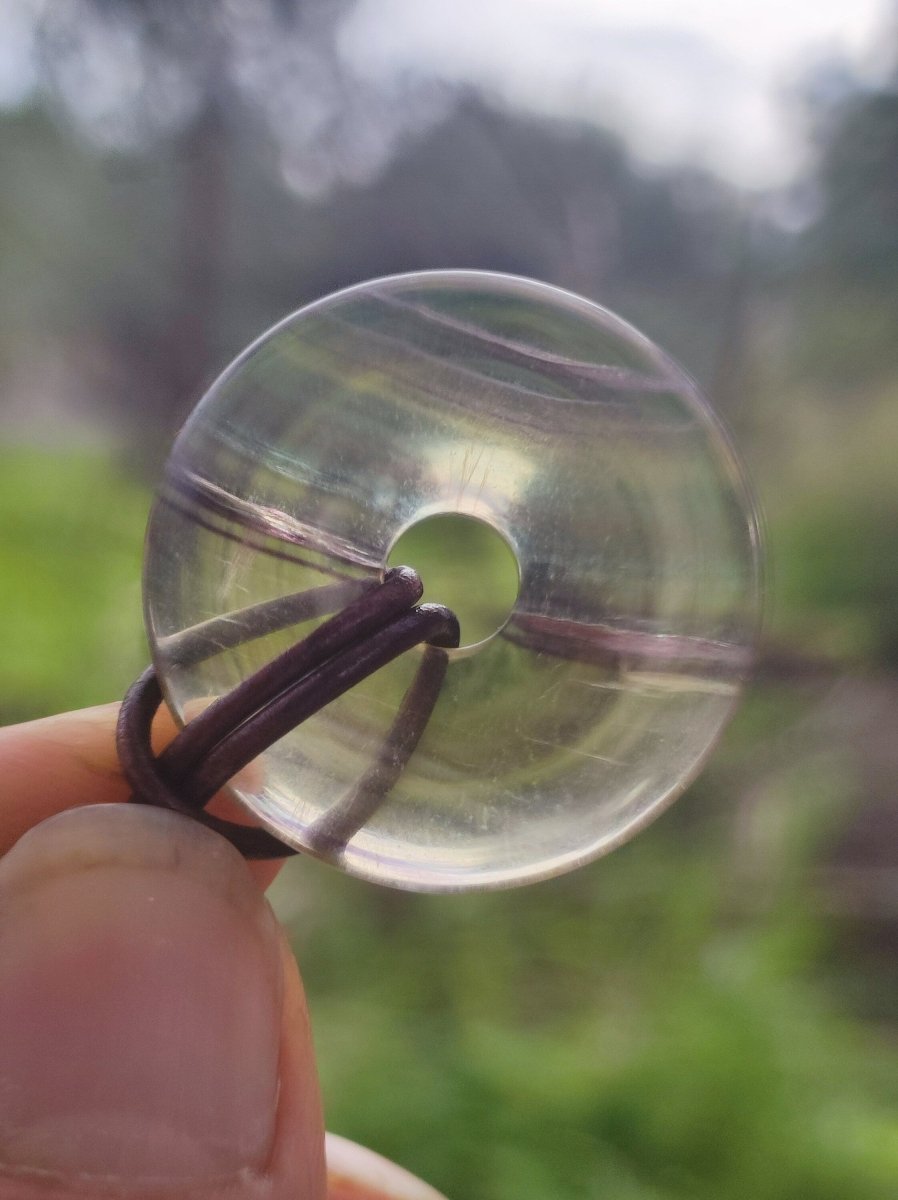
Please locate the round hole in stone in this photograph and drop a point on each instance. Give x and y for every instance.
(465, 564)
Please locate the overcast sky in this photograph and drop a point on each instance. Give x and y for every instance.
(706, 80)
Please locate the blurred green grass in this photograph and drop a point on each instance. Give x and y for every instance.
(464, 564)
(650, 1027)
(71, 538)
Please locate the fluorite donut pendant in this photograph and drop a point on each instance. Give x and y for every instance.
(467, 410)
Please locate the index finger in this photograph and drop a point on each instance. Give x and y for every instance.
(66, 761)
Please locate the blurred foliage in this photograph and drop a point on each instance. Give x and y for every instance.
(70, 548)
(650, 1027)
(466, 565)
(693, 1016)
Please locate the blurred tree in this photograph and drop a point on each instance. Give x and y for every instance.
(136, 73)
(219, 130)
(850, 251)
(856, 234)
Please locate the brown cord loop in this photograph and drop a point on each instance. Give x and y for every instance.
(379, 623)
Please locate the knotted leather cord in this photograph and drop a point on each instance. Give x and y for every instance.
(379, 623)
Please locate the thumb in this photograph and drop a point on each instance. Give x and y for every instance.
(153, 1032)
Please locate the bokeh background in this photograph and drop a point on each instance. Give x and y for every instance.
(712, 1011)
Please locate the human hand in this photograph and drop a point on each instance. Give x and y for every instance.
(154, 1037)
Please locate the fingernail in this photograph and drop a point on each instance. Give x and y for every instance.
(356, 1173)
(140, 1002)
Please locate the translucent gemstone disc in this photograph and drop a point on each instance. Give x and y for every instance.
(554, 471)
